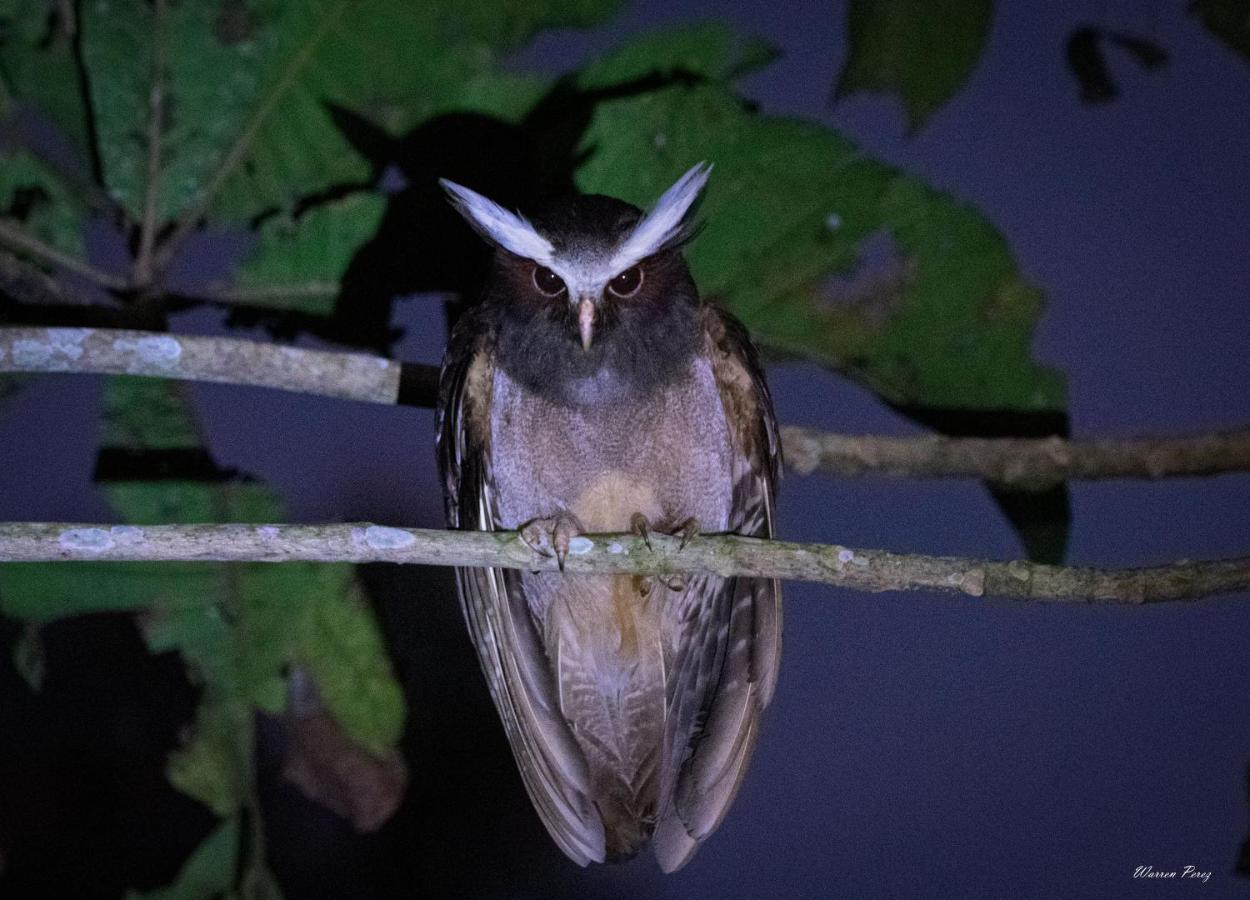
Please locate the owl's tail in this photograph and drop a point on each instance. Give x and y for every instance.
(628, 823)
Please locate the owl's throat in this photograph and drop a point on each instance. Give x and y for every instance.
(602, 356)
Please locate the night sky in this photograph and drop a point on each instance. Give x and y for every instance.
(918, 745)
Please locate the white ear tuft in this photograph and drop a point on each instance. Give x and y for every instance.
(668, 222)
(507, 229)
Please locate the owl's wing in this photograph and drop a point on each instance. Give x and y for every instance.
(517, 671)
(725, 666)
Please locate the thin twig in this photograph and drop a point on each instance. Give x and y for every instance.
(242, 145)
(722, 554)
(152, 194)
(20, 239)
(28, 283)
(1020, 463)
(273, 295)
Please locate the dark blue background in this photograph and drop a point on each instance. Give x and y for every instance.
(918, 746)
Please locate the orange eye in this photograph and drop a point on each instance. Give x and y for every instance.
(547, 281)
(627, 283)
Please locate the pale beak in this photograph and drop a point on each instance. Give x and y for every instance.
(586, 321)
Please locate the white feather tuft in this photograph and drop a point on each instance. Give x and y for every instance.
(667, 223)
(509, 230)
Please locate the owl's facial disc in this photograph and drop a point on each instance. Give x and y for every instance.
(587, 268)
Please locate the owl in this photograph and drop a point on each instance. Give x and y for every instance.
(592, 390)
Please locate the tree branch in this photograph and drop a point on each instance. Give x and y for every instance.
(18, 238)
(276, 296)
(27, 282)
(1021, 463)
(723, 554)
(351, 376)
(1032, 464)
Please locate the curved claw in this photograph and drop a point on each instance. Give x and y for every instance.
(551, 535)
(641, 526)
(686, 530)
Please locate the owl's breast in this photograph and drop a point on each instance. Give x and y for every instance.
(665, 455)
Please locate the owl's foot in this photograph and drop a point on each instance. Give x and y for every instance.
(550, 536)
(686, 530)
(641, 526)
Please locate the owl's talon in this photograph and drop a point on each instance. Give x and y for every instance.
(685, 531)
(640, 526)
(551, 536)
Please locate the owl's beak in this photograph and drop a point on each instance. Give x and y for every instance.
(586, 321)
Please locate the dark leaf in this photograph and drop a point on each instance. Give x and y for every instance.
(209, 872)
(923, 51)
(1088, 63)
(1088, 67)
(28, 656)
(1228, 20)
(239, 628)
(826, 253)
(1042, 519)
(250, 89)
(328, 766)
(39, 70)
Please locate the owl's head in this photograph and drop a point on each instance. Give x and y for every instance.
(589, 261)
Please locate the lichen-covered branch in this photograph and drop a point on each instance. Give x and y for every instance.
(1020, 463)
(863, 570)
(351, 376)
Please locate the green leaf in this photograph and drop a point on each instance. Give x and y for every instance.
(1228, 20)
(442, 55)
(210, 80)
(43, 206)
(209, 872)
(147, 414)
(38, 69)
(315, 246)
(44, 592)
(239, 627)
(213, 766)
(832, 256)
(345, 652)
(709, 50)
(256, 78)
(921, 50)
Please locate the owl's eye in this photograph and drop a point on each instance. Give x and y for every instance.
(548, 281)
(627, 283)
